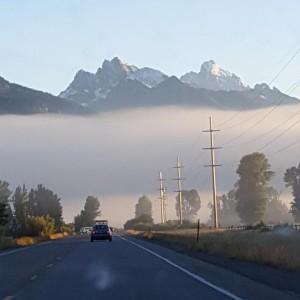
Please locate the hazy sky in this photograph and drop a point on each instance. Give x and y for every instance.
(43, 43)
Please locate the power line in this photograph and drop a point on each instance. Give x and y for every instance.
(289, 51)
(281, 100)
(254, 98)
(275, 127)
(286, 147)
(279, 135)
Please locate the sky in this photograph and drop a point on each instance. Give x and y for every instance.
(117, 156)
(44, 43)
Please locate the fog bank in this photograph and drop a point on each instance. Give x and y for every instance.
(116, 156)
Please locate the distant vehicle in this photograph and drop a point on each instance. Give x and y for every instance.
(101, 231)
(101, 222)
(85, 230)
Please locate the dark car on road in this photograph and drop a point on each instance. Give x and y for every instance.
(101, 232)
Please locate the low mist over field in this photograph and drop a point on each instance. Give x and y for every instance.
(117, 155)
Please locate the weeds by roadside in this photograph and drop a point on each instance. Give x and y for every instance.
(9, 242)
(276, 248)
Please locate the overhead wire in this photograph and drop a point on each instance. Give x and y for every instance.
(269, 112)
(259, 94)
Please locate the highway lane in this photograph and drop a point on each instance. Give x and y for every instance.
(124, 269)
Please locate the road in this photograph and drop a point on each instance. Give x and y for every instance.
(127, 268)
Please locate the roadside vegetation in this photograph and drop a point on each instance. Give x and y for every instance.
(28, 217)
(277, 248)
(252, 202)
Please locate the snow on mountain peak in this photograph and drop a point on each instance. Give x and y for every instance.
(147, 76)
(117, 66)
(92, 87)
(213, 77)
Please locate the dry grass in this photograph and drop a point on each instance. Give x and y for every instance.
(8, 242)
(25, 241)
(56, 236)
(270, 248)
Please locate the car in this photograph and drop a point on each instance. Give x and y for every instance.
(85, 230)
(101, 232)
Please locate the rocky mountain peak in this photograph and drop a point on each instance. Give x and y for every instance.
(213, 77)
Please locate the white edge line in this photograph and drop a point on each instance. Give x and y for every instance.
(197, 277)
(23, 249)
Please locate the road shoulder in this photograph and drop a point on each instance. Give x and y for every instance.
(274, 279)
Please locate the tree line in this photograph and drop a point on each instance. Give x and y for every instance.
(33, 212)
(143, 219)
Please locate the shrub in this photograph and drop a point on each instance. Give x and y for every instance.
(40, 226)
(2, 231)
(68, 229)
(25, 241)
(7, 242)
(143, 222)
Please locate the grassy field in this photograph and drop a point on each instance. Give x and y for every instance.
(276, 248)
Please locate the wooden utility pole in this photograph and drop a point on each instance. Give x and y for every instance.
(179, 187)
(162, 197)
(213, 166)
(165, 204)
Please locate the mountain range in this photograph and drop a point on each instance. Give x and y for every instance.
(17, 99)
(118, 85)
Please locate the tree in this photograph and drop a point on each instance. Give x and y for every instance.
(3, 214)
(20, 203)
(226, 209)
(191, 204)
(143, 207)
(276, 211)
(88, 215)
(77, 223)
(91, 210)
(43, 202)
(5, 209)
(292, 179)
(255, 174)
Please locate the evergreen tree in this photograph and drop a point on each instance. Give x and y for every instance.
(88, 215)
(5, 209)
(43, 202)
(20, 203)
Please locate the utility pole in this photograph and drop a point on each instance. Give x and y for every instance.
(213, 166)
(179, 187)
(162, 197)
(165, 204)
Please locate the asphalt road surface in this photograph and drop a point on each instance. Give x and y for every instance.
(127, 268)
